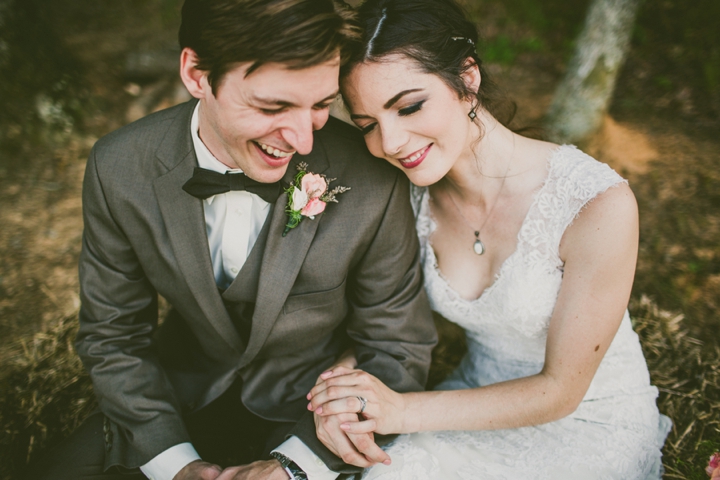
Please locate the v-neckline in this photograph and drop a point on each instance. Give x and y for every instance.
(425, 205)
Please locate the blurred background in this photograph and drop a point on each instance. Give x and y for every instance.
(73, 70)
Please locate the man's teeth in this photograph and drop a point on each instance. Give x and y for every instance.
(274, 151)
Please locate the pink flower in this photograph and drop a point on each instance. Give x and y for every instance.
(314, 207)
(314, 185)
(713, 468)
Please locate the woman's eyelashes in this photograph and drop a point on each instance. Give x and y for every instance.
(415, 107)
(403, 112)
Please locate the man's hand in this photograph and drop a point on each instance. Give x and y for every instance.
(264, 469)
(355, 449)
(198, 470)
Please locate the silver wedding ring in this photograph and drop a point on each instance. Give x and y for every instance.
(364, 404)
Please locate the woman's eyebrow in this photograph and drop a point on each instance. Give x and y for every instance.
(397, 97)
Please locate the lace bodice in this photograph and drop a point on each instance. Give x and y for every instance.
(615, 433)
(508, 323)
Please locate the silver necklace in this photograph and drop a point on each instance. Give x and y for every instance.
(478, 245)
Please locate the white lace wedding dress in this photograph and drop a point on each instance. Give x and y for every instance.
(616, 432)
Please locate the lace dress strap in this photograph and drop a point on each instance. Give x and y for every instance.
(574, 180)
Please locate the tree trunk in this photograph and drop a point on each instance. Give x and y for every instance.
(583, 96)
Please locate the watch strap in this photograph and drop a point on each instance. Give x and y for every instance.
(292, 468)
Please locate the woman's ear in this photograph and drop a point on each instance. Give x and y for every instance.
(471, 75)
(195, 80)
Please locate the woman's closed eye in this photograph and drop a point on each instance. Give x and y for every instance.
(409, 110)
(403, 112)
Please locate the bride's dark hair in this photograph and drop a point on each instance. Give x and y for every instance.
(434, 33)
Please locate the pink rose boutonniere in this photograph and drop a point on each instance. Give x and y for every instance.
(308, 195)
(713, 468)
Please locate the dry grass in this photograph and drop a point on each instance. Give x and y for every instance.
(688, 375)
(45, 395)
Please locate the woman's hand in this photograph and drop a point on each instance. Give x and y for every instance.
(354, 449)
(338, 393)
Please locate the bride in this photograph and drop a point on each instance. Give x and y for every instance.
(529, 246)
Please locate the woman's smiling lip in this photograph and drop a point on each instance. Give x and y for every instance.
(417, 158)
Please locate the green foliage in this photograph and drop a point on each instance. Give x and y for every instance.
(678, 44)
(504, 50)
(546, 24)
(41, 79)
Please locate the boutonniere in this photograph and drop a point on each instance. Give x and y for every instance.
(308, 195)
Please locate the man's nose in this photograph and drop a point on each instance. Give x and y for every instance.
(299, 132)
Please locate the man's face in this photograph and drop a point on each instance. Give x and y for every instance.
(256, 123)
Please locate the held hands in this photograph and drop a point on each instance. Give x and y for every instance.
(263, 469)
(199, 470)
(355, 449)
(337, 393)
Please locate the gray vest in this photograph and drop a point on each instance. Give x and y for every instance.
(239, 298)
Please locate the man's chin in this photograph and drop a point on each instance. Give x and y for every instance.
(264, 174)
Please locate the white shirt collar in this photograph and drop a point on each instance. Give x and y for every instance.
(206, 159)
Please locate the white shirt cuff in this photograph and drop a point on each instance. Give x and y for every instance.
(301, 454)
(167, 464)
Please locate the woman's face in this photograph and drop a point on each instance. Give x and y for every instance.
(410, 118)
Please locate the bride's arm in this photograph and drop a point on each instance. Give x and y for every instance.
(600, 252)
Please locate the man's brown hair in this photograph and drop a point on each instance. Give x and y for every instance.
(297, 33)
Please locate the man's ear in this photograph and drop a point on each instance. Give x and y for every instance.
(195, 80)
(471, 75)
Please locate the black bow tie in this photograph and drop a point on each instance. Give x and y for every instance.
(206, 183)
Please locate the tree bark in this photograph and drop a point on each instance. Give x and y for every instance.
(583, 96)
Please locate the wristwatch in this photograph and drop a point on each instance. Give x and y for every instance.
(292, 468)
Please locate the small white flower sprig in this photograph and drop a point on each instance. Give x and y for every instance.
(308, 195)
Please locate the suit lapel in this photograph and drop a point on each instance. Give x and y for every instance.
(283, 258)
(185, 223)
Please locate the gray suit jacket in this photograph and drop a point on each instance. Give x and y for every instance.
(352, 274)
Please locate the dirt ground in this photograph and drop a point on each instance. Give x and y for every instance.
(669, 152)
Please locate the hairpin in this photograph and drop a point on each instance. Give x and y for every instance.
(464, 38)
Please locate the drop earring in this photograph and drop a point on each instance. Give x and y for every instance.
(472, 114)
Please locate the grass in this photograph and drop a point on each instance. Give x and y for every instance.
(47, 394)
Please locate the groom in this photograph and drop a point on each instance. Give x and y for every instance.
(255, 316)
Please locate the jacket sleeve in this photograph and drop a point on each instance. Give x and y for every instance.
(117, 320)
(391, 325)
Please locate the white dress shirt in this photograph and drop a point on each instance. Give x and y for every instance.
(233, 221)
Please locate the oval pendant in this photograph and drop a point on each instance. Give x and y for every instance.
(478, 247)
